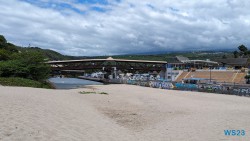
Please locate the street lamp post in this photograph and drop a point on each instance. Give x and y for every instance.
(210, 74)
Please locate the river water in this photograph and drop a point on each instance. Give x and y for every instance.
(71, 83)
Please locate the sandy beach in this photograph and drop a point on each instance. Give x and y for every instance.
(127, 113)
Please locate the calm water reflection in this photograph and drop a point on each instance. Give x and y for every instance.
(71, 83)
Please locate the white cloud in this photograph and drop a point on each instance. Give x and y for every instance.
(128, 26)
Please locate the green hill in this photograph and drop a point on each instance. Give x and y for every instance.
(169, 56)
(49, 54)
(53, 55)
(6, 49)
(23, 66)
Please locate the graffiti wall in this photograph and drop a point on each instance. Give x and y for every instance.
(150, 83)
(215, 88)
(186, 86)
(161, 84)
(243, 90)
(225, 89)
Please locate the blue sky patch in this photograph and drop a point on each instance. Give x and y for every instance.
(60, 6)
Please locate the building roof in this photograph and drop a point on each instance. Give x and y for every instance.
(177, 60)
(202, 61)
(182, 59)
(196, 79)
(108, 59)
(185, 60)
(234, 61)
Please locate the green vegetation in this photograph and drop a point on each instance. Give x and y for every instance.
(9, 48)
(103, 93)
(242, 53)
(48, 54)
(85, 92)
(22, 82)
(22, 67)
(28, 65)
(28, 62)
(169, 56)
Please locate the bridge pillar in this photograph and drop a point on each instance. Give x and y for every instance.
(114, 72)
(162, 74)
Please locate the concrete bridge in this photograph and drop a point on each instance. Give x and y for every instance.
(108, 65)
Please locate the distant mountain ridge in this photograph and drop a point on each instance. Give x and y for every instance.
(157, 56)
(49, 54)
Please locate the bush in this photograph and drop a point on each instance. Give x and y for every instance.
(2, 40)
(26, 65)
(15, 81)
(13, 68)
(4, 55)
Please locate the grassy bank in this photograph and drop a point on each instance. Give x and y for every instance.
(21, 82)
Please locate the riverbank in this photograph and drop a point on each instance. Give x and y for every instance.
(126, 112)
(23, 82)
(71, 83)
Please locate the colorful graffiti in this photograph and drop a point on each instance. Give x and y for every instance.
(186, 86)
(152, 83)
(212, 88)
(242, 91)
(161, 84)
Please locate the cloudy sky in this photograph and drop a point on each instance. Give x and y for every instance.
(108, 27)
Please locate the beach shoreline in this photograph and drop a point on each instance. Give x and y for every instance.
(126, 112)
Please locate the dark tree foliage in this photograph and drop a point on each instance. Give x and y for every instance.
(6, 49)
(243, 52)
(2, 40)
(27, 64)
(242, 48)
(224, 57)
(4, 55)
(32, 65)
(236, 54)
(11, 47)
(13, 68)
(49, 54)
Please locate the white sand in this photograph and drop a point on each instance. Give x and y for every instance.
(128, 112)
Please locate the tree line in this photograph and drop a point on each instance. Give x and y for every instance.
(242, 52)
(23, 64)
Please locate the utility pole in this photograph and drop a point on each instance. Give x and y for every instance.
(210, 74)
